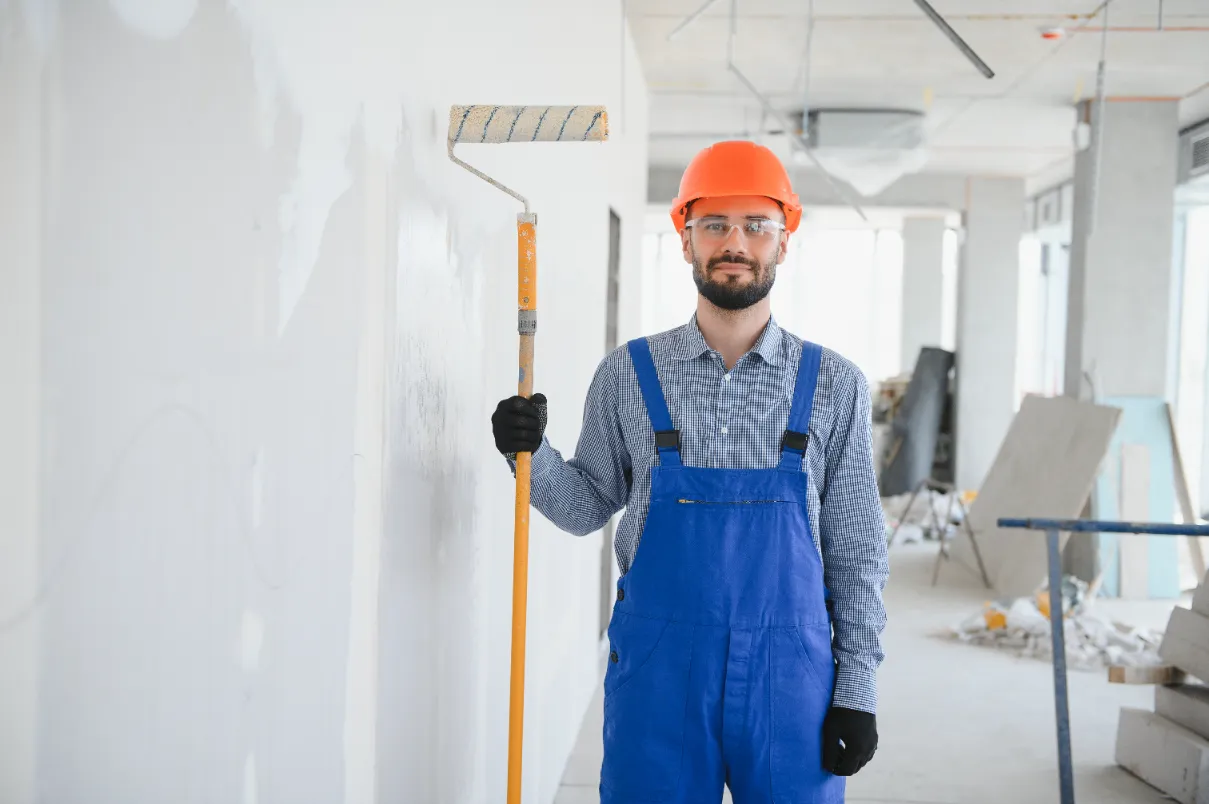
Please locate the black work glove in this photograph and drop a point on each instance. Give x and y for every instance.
(518, 424)
(849, 740)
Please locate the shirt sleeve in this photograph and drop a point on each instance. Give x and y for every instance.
(853, 540)
(581, 494)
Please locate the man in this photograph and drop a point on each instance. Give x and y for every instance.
(732, 445)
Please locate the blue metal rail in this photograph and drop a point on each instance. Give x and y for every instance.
(1097, 526)
(1052, 528)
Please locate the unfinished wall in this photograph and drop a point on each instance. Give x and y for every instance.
(20, 366)
(274, 319)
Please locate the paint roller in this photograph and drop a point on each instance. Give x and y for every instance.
(496, 125)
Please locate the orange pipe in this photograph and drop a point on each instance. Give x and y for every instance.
(526, 231)
(1142, 29)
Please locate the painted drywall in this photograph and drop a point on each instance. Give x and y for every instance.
(274, 320)
(21, 163)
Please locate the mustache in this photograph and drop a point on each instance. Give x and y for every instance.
(716, 261)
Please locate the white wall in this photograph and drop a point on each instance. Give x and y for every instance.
(20, 367)
(275, 318)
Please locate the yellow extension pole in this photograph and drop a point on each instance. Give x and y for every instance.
(526, 230)
(486, 124)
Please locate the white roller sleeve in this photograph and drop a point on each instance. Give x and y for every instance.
(497, 124)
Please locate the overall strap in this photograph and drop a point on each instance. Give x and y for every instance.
(797, 431)
(667, 438)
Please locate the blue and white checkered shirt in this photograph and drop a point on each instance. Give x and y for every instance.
(736, 420)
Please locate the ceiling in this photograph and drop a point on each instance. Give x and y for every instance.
(888, 54)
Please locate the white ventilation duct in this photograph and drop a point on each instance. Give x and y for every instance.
(870, 149)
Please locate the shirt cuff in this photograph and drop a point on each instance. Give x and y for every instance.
(855, 688)
(543, 460)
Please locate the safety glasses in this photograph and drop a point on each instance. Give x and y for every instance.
(716, 228)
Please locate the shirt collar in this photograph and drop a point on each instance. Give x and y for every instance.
(690, 344)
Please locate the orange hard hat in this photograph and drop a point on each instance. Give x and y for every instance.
(736, 167)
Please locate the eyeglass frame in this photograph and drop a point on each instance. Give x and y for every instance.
(776, 226)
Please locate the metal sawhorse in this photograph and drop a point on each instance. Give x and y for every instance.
(1052, 528)
(932, 486)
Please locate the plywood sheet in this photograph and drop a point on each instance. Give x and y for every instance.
(1147, 674)
(1164, 755)
(1045, 467)
(1198, 547)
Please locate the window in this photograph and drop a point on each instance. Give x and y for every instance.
(1030, 316)
(948, 310)
(841, 288)
(1190, 404)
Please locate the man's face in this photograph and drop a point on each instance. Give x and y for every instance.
(735, 266)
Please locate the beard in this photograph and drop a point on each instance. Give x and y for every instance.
(731, 292)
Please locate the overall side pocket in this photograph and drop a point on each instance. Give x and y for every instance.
(801, 686)
(645, 694)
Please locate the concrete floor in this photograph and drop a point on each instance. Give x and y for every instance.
(961, 724)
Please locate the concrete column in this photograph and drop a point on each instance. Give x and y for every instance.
(987, 290)
(923, 286)
(1121, 319)
(1119, 315)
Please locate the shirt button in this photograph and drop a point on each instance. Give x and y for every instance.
(723, 431)
(726, 377)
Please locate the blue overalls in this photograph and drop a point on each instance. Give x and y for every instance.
(720, 666)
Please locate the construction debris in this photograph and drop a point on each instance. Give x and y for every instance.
(1093, 642)
(1169, 747)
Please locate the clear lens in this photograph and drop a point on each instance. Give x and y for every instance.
(718, 228)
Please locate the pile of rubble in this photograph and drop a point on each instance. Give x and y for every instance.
(1093, 642)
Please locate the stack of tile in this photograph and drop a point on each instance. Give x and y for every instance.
(1169, 747)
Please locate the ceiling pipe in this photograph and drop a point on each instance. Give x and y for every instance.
(791, 131)
(690, 19)
(809, 58)
(788, 126)
(1142, 29)
(955, 39)
(1046, 19)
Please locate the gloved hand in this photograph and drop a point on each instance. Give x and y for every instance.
(518, 424)
(857, 731)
